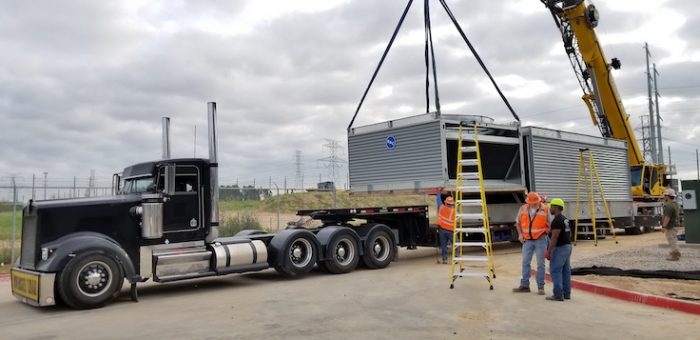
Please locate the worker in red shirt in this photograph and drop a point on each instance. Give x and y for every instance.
(446, 222)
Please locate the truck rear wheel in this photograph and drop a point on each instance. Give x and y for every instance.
(89, 281)
(379, 249)
(298, 255)
(343, 253)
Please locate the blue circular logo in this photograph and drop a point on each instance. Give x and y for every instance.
(390, 142)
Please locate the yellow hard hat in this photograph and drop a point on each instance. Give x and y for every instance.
(557, 201)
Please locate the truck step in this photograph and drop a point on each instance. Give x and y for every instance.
(469, 203)
(469, 149)
(471, 230)
(471, 259)
(471, 244)
(470, 216)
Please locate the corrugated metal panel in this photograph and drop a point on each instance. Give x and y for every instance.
(555, 166)
(416, 157)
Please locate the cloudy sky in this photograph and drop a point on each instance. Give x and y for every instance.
(83, 84)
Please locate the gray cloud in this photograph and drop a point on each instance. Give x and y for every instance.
(84, 83)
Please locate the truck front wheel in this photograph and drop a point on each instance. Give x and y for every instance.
(89, 280)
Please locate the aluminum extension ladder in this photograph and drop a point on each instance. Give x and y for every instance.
(588, 178)
(470, 179)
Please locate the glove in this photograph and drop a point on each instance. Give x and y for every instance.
(548, 255)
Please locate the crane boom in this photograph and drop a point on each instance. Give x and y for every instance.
(577, 22)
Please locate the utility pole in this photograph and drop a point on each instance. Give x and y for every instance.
(33, 185)
(14, 219)
(652, 120)
(45, 185)
(297, 165)
(670, 170)
(75, 193)
(660, 145)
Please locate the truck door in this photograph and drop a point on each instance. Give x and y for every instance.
(182, 212)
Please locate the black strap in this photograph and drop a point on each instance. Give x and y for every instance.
(429, 43)
(381, 61)
(476, 55)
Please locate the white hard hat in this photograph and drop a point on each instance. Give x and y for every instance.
(670, 192)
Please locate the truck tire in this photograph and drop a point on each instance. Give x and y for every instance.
(379, 249)
(89, 281)
(297, 254)
(343, 253)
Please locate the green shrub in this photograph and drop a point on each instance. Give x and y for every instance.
(240, 221)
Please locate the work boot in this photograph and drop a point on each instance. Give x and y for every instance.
(521, 290)
(444, 261)
(554, 298)
(540, 291)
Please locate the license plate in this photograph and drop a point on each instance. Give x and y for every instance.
(26, 285)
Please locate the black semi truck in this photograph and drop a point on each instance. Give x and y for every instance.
(161, 223)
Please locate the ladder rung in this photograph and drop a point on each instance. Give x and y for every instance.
(469, 162)
(469, 203)
(469, 149)
(470, 244)
(470, 216)
(471, 230)
(468, 175)
(471, 258)
(469, 188)
(472, 274)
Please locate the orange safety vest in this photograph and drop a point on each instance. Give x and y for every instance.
(532, 230)
(446, 217)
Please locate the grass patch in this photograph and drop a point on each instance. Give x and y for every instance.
(238, 205)
(237, 222)
(6, 225)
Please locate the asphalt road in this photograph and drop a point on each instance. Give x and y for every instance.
(408, 300)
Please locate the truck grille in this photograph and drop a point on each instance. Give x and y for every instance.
(29, 230)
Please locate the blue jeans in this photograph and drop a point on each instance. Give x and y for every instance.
(538, 247)
(560, 269)
(444, 237)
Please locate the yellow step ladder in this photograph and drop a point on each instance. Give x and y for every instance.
(588, 179)
(470, 180)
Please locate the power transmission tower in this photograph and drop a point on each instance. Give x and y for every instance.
(646, 137)
(333, 162)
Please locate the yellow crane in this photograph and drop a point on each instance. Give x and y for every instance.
(577, 22)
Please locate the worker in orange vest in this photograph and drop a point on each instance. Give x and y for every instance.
(532, 224)
(446, 220)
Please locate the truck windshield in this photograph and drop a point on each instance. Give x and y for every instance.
(636, 175)
(137, 185)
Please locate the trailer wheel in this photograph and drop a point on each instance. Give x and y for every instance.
(379, 249)
(343, 253)
(89, 281)
(298, 254)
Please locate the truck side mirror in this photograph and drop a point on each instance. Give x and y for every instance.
(116, 184)
(169, 178)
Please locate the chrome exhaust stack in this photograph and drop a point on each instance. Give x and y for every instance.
(166, 137)
(213, 175)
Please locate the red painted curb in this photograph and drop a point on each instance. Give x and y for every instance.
(645, 299)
